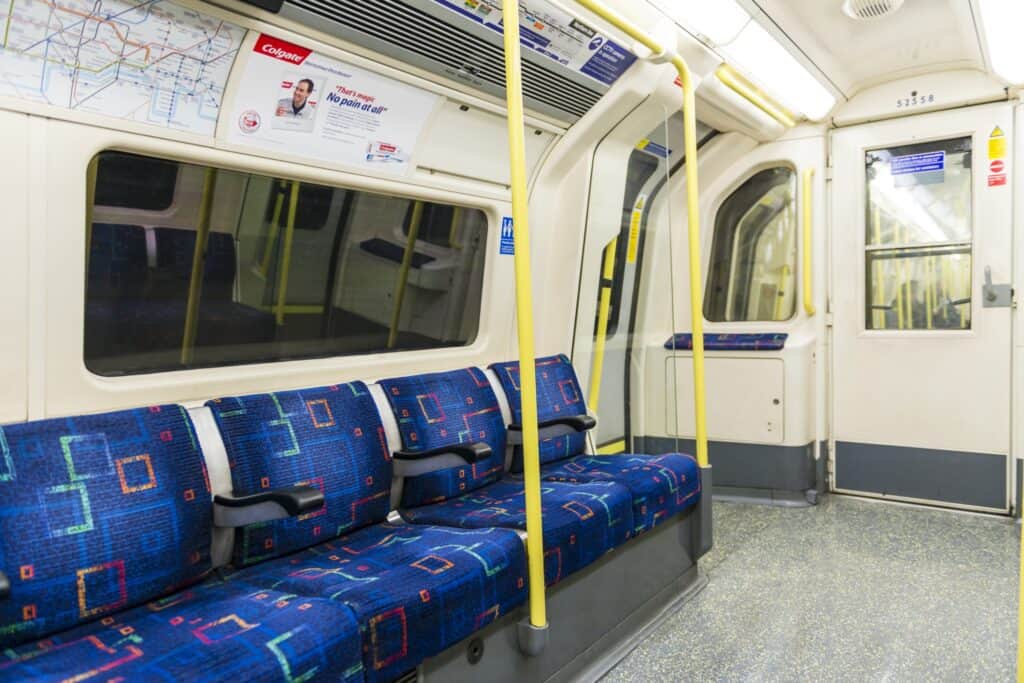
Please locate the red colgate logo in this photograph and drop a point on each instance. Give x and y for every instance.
(281, 49)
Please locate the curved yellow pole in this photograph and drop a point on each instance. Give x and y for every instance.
(524, 313)
(692, 208)
(604, 307)
(736, 82)
(195, 285)
(808, 217)
(403, 272)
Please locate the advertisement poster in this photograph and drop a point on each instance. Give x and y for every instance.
(294, 101)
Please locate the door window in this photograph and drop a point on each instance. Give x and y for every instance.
(918, 253)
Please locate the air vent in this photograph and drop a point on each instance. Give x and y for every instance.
(866, 10)
(405, 30)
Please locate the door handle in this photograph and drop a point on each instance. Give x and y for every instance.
(995, 296)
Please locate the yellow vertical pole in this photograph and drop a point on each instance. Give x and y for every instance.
(524, 313)
(602, 324)
(879, 273)
(901, 276)
(195, 285)
(286, 255)
(275, 229)
(808, 234)
(453, 231)
(403, 272)
(965, 288)
(692, 207)
(929, 296)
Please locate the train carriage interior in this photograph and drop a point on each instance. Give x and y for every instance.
(493, 340)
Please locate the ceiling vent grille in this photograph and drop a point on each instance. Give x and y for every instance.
(406, 32)
(864, 10)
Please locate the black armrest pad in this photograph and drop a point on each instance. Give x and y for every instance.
(5, 586)
(581, 423)
(296, 500)
(470, 452)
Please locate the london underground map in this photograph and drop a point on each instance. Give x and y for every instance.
(151, 61)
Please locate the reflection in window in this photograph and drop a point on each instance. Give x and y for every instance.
(343, 272)
(753, 253)
(918, 236)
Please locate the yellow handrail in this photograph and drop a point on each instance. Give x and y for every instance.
(275, 229)
(602, 324)
(692, 208)
(403, 272)
(195, 284)
(808, 216)
(524, 313)
(286, 255)
(736, 82)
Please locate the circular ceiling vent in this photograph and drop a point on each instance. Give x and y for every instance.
(864, 10)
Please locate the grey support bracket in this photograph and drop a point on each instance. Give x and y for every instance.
(533, 640)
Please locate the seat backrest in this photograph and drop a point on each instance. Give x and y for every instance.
(175, 251)
(117, 261)
(98, 513)
(558, 395)
(443, 409)
(328, 437)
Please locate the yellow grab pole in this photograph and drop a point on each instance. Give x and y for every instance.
(524, 313)
(602, 323)
(735, 81)
(403, 272)
(808, 256)
(879, 269)
(275, 228)
(286, 255)
(195, 285)
(929, 298)
(692, 209)
(453, 231)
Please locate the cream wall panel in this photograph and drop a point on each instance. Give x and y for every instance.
(14, 246)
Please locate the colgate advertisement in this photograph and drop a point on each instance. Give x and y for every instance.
(294, 102)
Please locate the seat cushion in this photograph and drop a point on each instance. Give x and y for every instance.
(762, 341)
(207, 633)
(661, 485)
(581, 521)
(558, 395)
(416, 590)
(444, 409)
(330, 438)
(98, 513)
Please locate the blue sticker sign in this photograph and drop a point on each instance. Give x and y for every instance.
(919, 163)
(508, 234)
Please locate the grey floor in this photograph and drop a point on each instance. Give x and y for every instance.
(850, 590)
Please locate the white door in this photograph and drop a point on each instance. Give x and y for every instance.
(921, 218)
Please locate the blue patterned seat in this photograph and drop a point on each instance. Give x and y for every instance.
(415, 590)
(661, 486)
(100, 514)
(206, 633)
(581, 521)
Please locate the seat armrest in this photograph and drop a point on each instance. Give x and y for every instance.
(470, 452)
(5, 586)
(580, 423)
(266, 506)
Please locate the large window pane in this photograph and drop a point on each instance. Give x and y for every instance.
(338, 274)
(918, 236)
(753, 254)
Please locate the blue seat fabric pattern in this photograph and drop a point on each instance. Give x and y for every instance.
(98, 513)
(330, 438)
(581, 521)
(443, 409)
(558, 395)
(731, 342)
(661, 485)
(416, 590)
(205, 633)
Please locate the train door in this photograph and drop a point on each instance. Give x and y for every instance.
(921, 304)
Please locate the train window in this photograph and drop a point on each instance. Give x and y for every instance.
(918, 237)
(337, 275)
(136, 182)
(753, 253)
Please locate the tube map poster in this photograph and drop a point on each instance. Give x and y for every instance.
(293, 101)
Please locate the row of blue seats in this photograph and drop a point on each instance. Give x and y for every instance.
(109, 526)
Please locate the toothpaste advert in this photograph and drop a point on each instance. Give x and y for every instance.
(296, 102)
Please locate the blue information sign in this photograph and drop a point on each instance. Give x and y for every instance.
(508, 244)
(919, 163)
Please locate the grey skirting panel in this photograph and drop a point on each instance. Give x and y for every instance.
(924, 473)
(750, 465)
